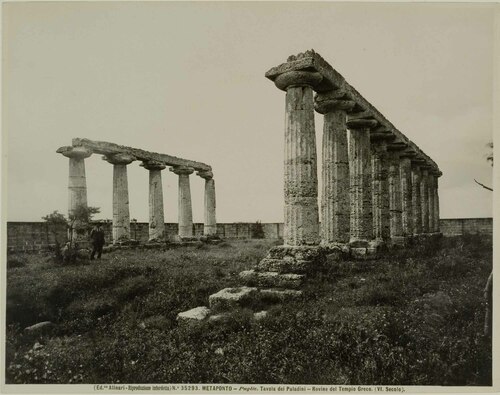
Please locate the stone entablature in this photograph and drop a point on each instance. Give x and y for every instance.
(120, 157)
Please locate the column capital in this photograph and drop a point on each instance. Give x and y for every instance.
(153, 165)
(297, 78)
(206, 174)
(74, 152)
(331, 101)
(119, 159)
(182, 170)
(355, 124)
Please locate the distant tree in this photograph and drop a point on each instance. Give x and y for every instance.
(489, 158)
(54, 222)
(79, 221)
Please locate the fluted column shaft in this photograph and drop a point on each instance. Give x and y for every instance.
(436, 204)
(416, 176)
(395, 201)
(185, 207)
(406, 197)
(121, 213)
(210, 224)
(335, 170)
(156, 213)
(360, 181)
(424, 194)
(430, 202)
(301, 225)
(380, 191)
(77, 188)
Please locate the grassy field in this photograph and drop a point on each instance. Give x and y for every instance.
(413, 319)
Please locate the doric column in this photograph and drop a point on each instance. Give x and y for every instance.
(77, 189)
(185, 208)
(406, 195)
(380, 190)
(436, 201)
(301, 225)
(395, 200)
(210, 225)
(424, 195)
(77, 182)
(360, 181)
(335, 169)
(430, 202)
(121, 214)
(416, 177)
(156, 216)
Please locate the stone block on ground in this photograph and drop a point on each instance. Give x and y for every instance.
(193, 315)
(229, 298)
(272, 279)
(305, 253)
(286, 265)
(260, 315)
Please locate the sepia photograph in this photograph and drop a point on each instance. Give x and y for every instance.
(257, 196)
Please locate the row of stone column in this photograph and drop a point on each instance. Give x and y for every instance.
(121, 216)
(375, 190)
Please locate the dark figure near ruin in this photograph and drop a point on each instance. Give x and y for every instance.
(97, 237)
(488, 295)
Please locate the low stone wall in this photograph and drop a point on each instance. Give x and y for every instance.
(33, 236)
(463, 226)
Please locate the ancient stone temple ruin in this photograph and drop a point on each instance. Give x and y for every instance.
(379, 190)
(120, 156)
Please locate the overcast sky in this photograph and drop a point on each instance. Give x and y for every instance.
(187, 79)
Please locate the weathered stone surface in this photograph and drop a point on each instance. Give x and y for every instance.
(271, 279)
(228, 298)
(424, 195)
(406, 193)
(185, 207)
(301, 226)
(210, 224)
(416, 177)
(156, 214)
(395, 204)
(380, 191)
(121, 213)
(196, 314)
(77, 187)
(335, 176)
(285, 265)
(105, 148)
(361, 224)
(333, 80)
(297, 252)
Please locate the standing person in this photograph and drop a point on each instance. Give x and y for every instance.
(97, 237)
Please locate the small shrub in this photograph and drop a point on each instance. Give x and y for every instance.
(14, 261)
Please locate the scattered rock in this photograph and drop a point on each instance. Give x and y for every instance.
(229, 298)
(260, 315)
(40, 328)
(196, 314)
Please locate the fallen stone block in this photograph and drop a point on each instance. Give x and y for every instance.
(289, 265)
(229, 298)
(193, 315)
(272, 279)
